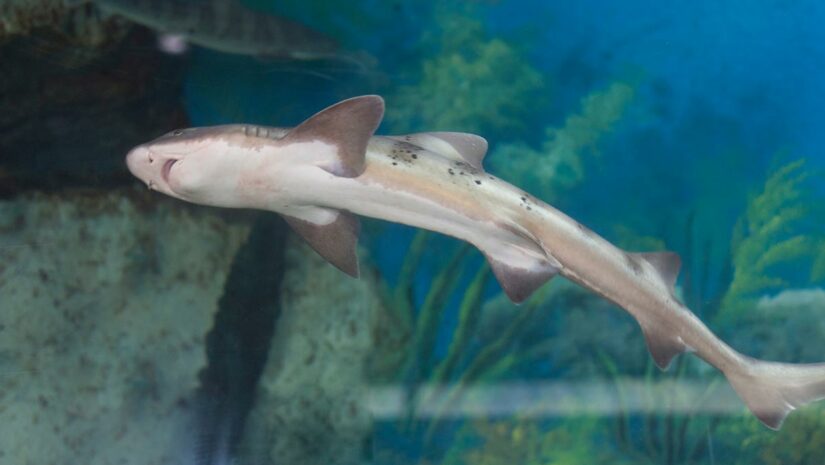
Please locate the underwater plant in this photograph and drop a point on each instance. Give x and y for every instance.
(800, 442)
(527, 441)
(563, 154)
(769, 234)
(472, 82)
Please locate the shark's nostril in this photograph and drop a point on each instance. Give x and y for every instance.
(149, 154)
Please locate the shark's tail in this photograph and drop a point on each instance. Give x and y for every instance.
(772, 390)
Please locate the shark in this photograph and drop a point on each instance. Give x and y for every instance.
(324, 173)
(225, 26)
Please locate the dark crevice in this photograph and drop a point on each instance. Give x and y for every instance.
(68, 124)
(238, 344)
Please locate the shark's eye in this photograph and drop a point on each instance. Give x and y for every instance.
(177, 132)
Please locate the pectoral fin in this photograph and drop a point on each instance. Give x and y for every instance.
(336, 241)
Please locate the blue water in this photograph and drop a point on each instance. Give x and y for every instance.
(714, 150)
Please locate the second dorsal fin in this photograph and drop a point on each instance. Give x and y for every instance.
(667, 264)
(347, 125)
(460, 146)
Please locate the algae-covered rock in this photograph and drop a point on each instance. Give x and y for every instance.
(105, 301)
(20, 16)
(311, 404)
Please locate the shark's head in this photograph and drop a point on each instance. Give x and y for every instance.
(251, 166)
(189, 164)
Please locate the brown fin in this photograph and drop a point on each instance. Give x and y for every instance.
(662, 347)
(336, 241)
(520, 283)
(459, 146)
(348, 125)
(666, 263)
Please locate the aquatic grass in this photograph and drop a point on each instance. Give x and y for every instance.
(401, 297)
(527, 441)
(818, 268)
(442, 286)
(468, 315)
(493, 358)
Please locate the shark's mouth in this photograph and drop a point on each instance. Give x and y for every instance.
(167, 168)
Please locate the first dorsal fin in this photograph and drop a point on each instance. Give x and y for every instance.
(667, 264)
(348, 125)
(336, 241)
(460, 146)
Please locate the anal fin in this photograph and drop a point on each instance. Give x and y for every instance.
(663, 347)
(335, 241)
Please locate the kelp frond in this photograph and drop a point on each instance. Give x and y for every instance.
(559, 165)
(768, 235)
(473, 83)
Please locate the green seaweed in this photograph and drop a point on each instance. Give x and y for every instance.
(472, 82)
(560, 163)
(468, 314)
(767, 236)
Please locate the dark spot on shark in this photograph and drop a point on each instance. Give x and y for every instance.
(415, 156)
(478, 182)
(528, 208)
(450, 170)
(583, 229)
(394, 163)
(523, 198)
(461, 173)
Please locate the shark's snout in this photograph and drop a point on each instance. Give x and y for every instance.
(136, 158)
(139, 160)
(149, 167)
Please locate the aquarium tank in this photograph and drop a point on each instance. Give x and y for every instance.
(514, 232)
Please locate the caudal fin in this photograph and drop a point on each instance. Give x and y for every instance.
(772, 390)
